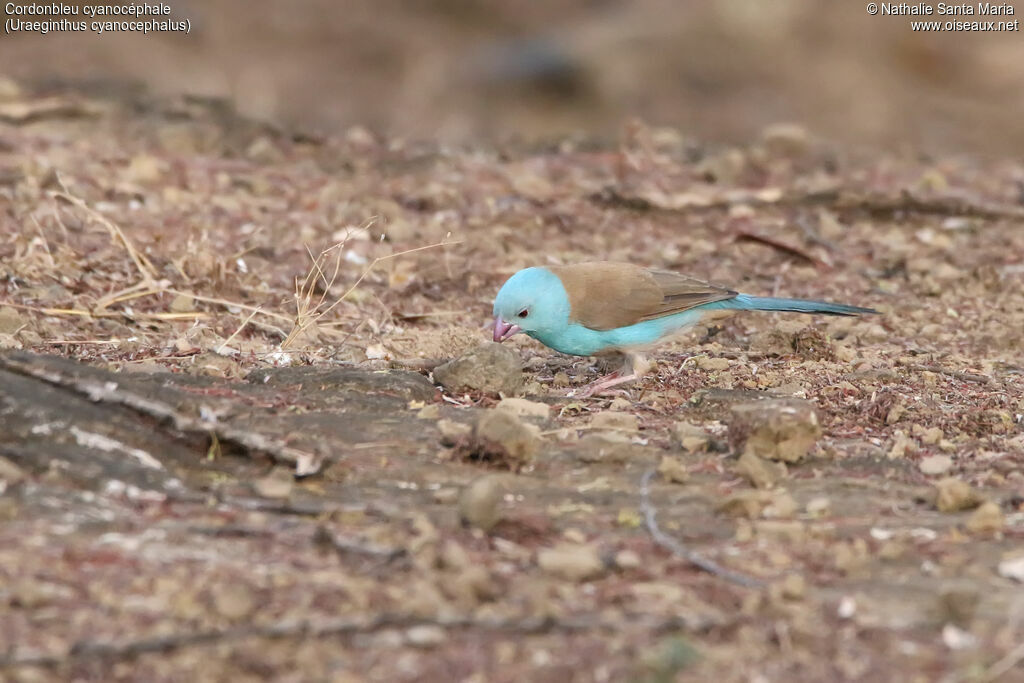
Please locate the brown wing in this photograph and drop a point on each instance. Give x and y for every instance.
(682, 293)
(603, 296)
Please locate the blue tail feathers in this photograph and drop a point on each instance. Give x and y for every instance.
(745, 302)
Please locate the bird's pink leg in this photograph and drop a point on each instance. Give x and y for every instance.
(601, 385)
(635, 367)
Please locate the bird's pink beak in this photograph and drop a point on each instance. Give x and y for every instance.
(504, 330)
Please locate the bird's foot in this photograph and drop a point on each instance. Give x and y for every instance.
(602, 385)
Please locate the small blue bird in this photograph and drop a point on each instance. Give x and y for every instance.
(596, 308)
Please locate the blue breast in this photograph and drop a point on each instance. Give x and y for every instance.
(578, 340)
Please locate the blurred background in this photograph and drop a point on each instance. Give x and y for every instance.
(467, 70)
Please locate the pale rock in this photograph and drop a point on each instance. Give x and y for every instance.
(818, 507)
(932, 436)
(521, 441)
(446, 496)
(480, 502)
(571, 562)
(613, 447)
(694, 444)
(953, 495)
(759, 472)
(691, 437)
(524, 408)
(613, 420)
(777, 429)
(627, 559)
(426, 636)
(1012, 568)
(234, 601)
(986, 519)
(278, 484)
(491, 367)
(901, 445)
(453, 556)
(871, 333)
(182, 303)
(895, 413)
(956, 638)
(10, 474)
(933, 465)
(145, 168)
(782, 506)
(787, 530)
(712, 364)
(429, 412)
(377, 352)
(452, 431)
(620, 404)
(11, 320)
(745, 504)
(793, 587)
(673, 470)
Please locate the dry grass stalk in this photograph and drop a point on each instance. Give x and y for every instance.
(310, 308)
(223, 348)
(311, 292)
(148, 283)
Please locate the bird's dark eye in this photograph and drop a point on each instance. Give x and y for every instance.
(524, 313)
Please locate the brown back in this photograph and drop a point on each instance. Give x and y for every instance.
(603, 295)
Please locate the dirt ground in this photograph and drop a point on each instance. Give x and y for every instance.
(150, 524)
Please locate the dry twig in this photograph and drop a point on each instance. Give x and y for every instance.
(956, 374)
(146, 270)
(788, 249)
(678, 549)
(1004, 665)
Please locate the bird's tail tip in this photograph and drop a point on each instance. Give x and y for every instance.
(759, 303)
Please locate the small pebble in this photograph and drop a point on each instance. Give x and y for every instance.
(491, 367)
(571, 562)
(1012, 568)
(953, 495)
(426, 636)
(520, 441)
(452, 431)
(692, 438)
(987, 519)
(610, 419)
(620, 404)
(524, 408)
(480, 502)
(673, 470)
(627, 559)
(713, 364)
(234, 601)
(779, 429)
(933, 465)
(278, 484)
(613, 447)
(759, 472)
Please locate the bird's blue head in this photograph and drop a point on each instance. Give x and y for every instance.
(531, 301)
